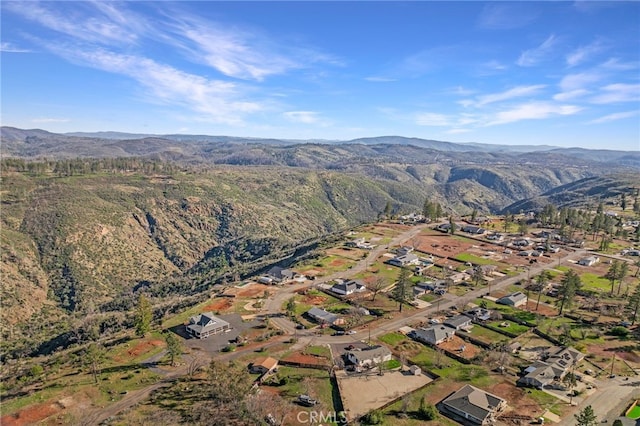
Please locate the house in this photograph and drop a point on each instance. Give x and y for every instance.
(474, 405)
(588, 261)
(323, 317)
(359, 243)
(479, 314)
(263, 365)
(471, 229)
(514, 299)
(404, 250)
(404, 260)
(488, 269)
(206, 324)
(495, 237)
(346, 288)
(368, 357)
(521, 242)
(280, 274)
(554, 367)
(427, 285)
(446, 227)
(458, 277)
(458, 322)
(433, 335)
(415, 370)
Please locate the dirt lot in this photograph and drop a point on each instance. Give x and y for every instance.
(441, 245)
(517, 399)
(628, 351)
(379, 390)
(543, 309)
(456, 343)
(314, 300)
(218, 305)
(349, 253)
(300, 358)
(30, 415)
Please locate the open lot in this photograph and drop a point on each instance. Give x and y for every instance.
(380, 390)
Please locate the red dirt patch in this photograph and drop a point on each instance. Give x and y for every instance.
(337, 262)
(314, 300)
(218, 305)
(456, 343)
(253, 290)
(519, 402)
(622, 350)
(144, 347)
(30, 415)
(300, 358)
(543, 309)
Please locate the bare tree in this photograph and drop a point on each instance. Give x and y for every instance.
(376, 286)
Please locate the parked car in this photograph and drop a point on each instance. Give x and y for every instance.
(307, 400)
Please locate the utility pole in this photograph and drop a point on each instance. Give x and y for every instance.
(613, 361)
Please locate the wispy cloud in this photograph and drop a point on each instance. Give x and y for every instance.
(584, 53)
(433, 120)
(375, 79)
(617, 93)
(306, 117)
(95, 22)
(615, 116)
(536, 55)
(215, 100)
(533, 111)
(506, 15)
(516, 92)
(11, 48)
(50, 120)
(580, 81)
(569, 95)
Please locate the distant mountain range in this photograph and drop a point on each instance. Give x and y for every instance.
(243, 150)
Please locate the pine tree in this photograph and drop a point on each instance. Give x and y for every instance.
(568, 287)
(402, 289)
(586, 417)
(174, 348)
(93, 356)
(144, 315)
(634, 304)
(612, 274)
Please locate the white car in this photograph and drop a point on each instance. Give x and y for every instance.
(434, 321)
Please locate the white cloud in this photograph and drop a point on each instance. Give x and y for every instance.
(306, 117)
(80, 20)
(584, 53)
(614, 64)
(380, 79)
(50, 120)
(615, 116)
(433, 119)
(11, 48)
(533, 111)
(617, 93)
(515, 92)
(580, 81)
(217, 101)
(506, 15)
(571, 94)
(536, 55)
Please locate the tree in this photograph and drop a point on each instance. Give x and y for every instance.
(623, 201)
(634, 304)
(387, 210)
(568, 287)
(586, 417)
(143, 317)
(93, 357)
(522, 226)
(478, 276)
(401, 291)
(474, 215)
(427, 411)
(376, 286)
(174, 348)
(612, 274)
(291, 307)
(541, 281)
(452, 225)
(622, 273)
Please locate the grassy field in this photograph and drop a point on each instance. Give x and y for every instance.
(476, 260)
(595, 282)
(512, 327)
(488, 336)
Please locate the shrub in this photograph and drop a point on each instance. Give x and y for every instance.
(619, 331)
(427, 411)
(375, 417)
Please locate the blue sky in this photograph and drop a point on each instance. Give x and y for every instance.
(557, 73)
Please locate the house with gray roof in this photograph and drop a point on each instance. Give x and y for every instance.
(281, 274)
(433, 335)
(346, 288)
(206, 324)
(513, 299)
(323, 317)
(553, 368)
(458, 322)
(473, 405)
(368, 357)
(404, 260)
